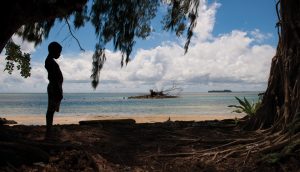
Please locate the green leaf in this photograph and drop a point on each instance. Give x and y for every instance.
(245, 106)
(247, 102)
(237, 111)
(241, 102)
(15, 56)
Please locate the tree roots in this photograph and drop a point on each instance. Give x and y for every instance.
(262, 143)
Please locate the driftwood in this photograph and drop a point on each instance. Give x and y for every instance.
(172, 92)
(156, 95)
(5, 121)
(108, 122)
(152, 97)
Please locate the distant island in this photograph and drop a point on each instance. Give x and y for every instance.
(219, 91)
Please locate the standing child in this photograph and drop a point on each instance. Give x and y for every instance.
(54, 89)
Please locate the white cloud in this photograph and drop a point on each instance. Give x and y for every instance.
(205, 21)
(16, 83)
(260, 37)
(26, 47)
(230, 61)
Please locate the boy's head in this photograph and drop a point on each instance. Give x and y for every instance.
(54, 49)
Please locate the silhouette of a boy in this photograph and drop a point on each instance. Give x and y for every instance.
(55, 77)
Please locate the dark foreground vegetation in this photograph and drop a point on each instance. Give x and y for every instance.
(126, 146)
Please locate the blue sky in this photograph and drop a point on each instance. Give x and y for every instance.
(232, 49)
(246, 16)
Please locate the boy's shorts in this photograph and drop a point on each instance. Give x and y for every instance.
(54, 99)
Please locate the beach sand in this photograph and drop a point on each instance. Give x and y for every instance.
(59, 119)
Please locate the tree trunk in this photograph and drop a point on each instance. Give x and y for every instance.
(281, 101)
(9, 22)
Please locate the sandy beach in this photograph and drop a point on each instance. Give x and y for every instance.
(59, 119)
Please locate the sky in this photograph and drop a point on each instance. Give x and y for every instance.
(232, 47)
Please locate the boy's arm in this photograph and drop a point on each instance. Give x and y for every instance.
(58, 83)
(54, 77)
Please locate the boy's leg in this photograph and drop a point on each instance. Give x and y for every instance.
(49, 121)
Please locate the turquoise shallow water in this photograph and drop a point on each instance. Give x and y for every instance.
(118, 104)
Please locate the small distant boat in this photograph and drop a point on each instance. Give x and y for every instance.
(219, 91)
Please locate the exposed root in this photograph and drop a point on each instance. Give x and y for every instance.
(172, 155)
(99, 163)
(232, 153)
(215, 156)
(247, 157)
(241, 147)
(280, 144)
(260, 146)
(234, 143)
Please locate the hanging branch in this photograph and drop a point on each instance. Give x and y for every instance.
(173, 89)
(69, 27)
(278, 24)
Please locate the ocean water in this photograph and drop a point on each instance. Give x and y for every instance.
(118, 104)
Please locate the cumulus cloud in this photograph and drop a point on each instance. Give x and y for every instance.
(232, 60)
(205, 21)
(16, 83)
(26, 47)
(260, 37)
(228, 59)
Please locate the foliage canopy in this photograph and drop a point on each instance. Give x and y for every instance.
(118, 21)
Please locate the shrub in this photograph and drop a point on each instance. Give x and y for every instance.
(246, 107)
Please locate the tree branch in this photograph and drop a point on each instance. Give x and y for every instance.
(69, 27)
